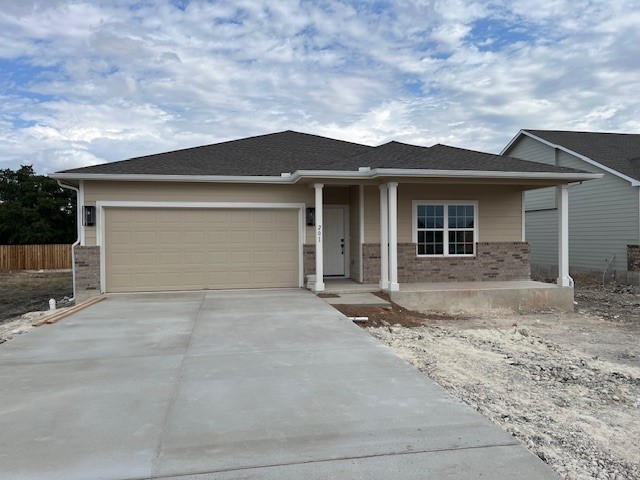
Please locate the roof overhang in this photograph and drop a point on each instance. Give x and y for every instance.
(373, 174)
(521, 133)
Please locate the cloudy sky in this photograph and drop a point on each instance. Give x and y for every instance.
(84, 82)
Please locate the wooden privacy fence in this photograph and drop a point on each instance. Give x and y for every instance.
(35, 257)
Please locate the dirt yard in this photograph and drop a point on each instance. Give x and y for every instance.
(566, 385)
(29, 291)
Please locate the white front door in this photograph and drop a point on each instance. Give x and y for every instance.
(334, 241)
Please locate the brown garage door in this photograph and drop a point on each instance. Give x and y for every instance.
(193, 249)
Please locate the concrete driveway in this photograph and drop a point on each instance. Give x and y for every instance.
(232, 385)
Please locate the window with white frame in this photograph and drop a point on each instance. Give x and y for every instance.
(445, 228)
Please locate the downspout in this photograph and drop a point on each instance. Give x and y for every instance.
(79, 226)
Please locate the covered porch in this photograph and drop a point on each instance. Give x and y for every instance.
(383, 241)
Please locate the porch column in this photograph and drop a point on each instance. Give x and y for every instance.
(392, 188)
(319, 265)
(564, 280)
(384, 239)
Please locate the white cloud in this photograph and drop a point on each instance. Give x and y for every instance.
(117, 79)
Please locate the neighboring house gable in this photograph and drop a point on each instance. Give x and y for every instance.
(604, 215)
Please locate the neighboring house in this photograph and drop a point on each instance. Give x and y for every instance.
(270, 210)
(604, 215)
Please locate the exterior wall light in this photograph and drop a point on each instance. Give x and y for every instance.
(89, 217)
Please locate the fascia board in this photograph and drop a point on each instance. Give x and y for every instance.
(335, 174)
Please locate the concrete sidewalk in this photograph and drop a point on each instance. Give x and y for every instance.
(229, 385)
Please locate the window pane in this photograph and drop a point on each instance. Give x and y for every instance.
(439, 210)
(422, 210)
(461, 242)
(430, 243)
(421, 222)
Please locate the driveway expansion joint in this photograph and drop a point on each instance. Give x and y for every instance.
(176, 388)
(334, 459)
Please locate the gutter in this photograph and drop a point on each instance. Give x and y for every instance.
(79, 226)
(292, 178)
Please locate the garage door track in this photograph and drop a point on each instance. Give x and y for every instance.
(269, 384)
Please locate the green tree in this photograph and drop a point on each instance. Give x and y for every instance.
(35, 209)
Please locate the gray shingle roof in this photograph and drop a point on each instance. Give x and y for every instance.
(444, 157)
(619, 151)
(270, 154)
(287, 152)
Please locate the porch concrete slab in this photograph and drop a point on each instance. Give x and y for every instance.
(521, 295)
(362, 299)
(236, 384)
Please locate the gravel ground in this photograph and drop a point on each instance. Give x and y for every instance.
(566, 385)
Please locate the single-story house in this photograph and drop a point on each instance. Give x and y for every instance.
(604, 215)
(272, 210)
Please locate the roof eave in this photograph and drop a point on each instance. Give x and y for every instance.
(336, 174)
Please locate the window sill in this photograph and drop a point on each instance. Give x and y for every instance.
(447, 256)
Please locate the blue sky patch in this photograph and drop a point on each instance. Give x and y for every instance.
(495, 34)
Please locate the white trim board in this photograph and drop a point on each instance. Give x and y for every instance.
(376, 173)
(100, 230)
(633, 181)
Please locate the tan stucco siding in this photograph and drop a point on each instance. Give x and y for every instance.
(371, 214)
(499, 209)
(499, 206)
(194, 192)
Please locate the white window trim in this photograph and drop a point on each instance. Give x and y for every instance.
(100, 230)
(445, 203)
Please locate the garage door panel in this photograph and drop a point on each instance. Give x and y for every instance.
(194, 237)
(145, 258)
(144, 238)
(193, 258)
(167, 237)
(176, 249)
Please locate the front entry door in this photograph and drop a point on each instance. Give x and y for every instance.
(334, 241)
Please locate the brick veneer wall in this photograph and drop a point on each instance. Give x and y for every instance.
(494, 261)
(87, 263)
(633, 258)
(309, 260)
(370, 263)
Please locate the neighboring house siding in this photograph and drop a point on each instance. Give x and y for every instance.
(541, 229)
(603, 215)
(603, 218)
(529, 149)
